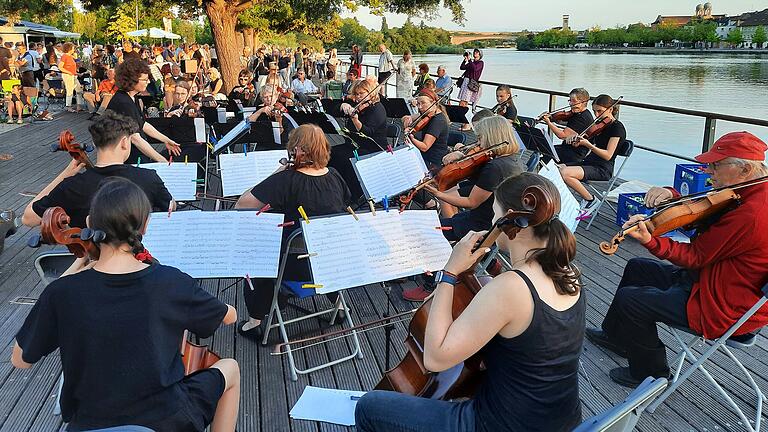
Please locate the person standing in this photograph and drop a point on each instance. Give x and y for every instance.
(470, 86)
(333, 62)
(406, 71)
(356, 60)
(68, 70)
(5, 61)
(386, 66)
(25, 63)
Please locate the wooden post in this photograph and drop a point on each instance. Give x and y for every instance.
(710, 127)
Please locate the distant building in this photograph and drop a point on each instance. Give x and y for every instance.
(750, 22)
(703, 11)
(566, 18)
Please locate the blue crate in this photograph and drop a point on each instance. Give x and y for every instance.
(630, 204)
(691, 178)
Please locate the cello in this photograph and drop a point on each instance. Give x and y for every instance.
(411, 376)
(78, 151)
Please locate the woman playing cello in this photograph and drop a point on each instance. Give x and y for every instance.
(529, 322)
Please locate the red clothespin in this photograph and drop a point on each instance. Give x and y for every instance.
(286, 224)
(263, 209)
(170, 160)
(248, 280)
(389, 148)
(442, 228)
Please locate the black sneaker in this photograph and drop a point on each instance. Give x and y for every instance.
(255, 333)
(600, 338)
(623, 376)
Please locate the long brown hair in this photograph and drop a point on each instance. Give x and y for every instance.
(556, 258)
(120, 209)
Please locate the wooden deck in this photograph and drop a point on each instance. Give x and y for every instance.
(27, 396)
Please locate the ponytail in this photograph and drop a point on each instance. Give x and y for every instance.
(606, 101)
(120, 210)
(556, 258)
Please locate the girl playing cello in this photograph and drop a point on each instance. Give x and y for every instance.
(119, 323)
(529, 322)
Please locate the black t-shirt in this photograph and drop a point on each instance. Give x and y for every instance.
(283, 62)
(438, 128)
(579, 122)
(374, 120)
(131, 55)
(488, 178)
(286, 190)
(119, 338)
(5, 56)
(123, 103)
(615, 129)
(74, 193)
(510, 112)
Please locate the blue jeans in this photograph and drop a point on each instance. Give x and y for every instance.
(380, 411)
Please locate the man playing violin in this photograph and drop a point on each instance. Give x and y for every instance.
(73, 189)
(578, 120)
(711, 282)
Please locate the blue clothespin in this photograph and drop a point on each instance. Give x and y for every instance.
(357, 157)
(138, 161)
(385, 203)
(245, 149)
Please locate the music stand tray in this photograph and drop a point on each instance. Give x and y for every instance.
(534, 139)
(457, 114)
(396, 107)
(261, 133)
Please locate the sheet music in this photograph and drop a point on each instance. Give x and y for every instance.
(387, 174)
(569, 207)
(242, 171)
(327, 405)
(179, 178)
(232, 135)
(333, 122)
(390, 245)
(545, 131)
(217, 244)
(200, 130)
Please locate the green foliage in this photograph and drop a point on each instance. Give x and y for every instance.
(351, 33)
(735, 37)
(418, 39)
(85, 23)
(123, 20)
(640, 35)
(554, 38)
(186, 29)
(204, 34)
(759, 37)
(318, 18)
(525, 43)
(444, 49)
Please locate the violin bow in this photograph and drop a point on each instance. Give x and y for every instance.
(699, 194)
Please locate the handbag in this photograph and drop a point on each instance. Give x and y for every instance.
(473, 85)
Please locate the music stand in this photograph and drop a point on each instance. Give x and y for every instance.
(332, 106)
(534, 140)
(180, 129)
(210, 114)
(260, 133)
(457, 113)
(396, 107)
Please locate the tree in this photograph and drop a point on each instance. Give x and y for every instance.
(384, 26)
(85, 23)
(735, 37)
(759, 37)
(122, 21)
(224, 14)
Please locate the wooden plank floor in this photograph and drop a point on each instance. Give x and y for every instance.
(27, 397)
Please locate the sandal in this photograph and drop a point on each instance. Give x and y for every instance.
(10, 121)
(5, 156)
(19, 121)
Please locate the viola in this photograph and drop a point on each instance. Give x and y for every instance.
(410, 376)
(689, 212)
(55, 230)
(454, 172)
(196, 357)
(78, 151)
(501, 106)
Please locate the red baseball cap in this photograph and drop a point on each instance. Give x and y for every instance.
(742, 145)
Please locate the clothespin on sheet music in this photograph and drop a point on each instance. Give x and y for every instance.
(372, 206)
(248, 281)
(389, 148)
(385, 203)
(311, 286)
(352, 212)
(357, 156)
(305, 256)
(245, 150)
(217, 206)
(138, 161)
(444, 228)
(263, 209)
(170, 208)
(186, 159)
(303, 214)
(170, 160)
(286, 224)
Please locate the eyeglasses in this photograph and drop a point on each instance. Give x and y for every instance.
(243, 78)
(144, 80)
(715, 165)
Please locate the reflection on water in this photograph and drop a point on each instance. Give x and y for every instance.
(736, 85)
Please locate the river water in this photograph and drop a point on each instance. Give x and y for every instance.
(727, 84)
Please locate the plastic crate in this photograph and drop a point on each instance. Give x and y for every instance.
(691, 178)
(629, 205)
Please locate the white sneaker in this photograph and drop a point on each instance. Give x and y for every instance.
(588, 209)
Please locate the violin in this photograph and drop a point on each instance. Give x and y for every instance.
(55, 230)
(454, 172)
(499, 107)
(559, 115)
(410, 376)
(76, 150)
(685, 212)
(196, 357)
(598, 124)
(365, 101)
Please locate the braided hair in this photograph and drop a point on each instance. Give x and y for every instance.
(120, 210)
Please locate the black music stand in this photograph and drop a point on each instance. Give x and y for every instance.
(332, 106)
(319, 119)
(396, 107)
(259, 133)
(457, 113)
(180, 129)
(534, 139)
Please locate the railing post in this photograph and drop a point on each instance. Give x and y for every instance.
(552, 102)
(710, 126)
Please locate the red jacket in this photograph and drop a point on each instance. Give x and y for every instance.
(732, 260)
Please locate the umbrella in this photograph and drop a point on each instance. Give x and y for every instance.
(153, 32)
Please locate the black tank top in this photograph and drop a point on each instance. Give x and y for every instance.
(532, 380)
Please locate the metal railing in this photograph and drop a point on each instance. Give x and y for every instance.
(710, 118)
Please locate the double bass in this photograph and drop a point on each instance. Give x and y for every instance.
(410, 376)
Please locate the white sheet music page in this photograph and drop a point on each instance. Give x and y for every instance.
(569, 206)
(179, 178)
(217, 244)
(232, 134)
(544, 130)
(242, 171)
(347, 253)
(388, 174)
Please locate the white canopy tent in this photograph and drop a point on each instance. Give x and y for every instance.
(154, 33)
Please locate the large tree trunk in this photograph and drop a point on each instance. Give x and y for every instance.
(223, 16)
(248, 40)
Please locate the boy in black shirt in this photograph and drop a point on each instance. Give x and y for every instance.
(578, 99)
(73, 189)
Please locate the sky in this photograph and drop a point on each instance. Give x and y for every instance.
(486, 15)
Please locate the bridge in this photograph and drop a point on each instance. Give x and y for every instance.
(458, 38)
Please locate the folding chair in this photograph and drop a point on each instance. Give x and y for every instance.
(722, 343)
(624, 416)
(55, 92)
(296, 245)
(456, 137)
(624, 150)
(393, 133)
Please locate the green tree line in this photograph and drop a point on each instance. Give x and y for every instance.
(417, 38)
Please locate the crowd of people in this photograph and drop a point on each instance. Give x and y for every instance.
(537, 307)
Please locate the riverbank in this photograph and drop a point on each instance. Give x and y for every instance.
(660, 51)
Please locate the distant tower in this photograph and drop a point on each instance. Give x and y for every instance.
(699, 10)
(707, 9)
(565, 22)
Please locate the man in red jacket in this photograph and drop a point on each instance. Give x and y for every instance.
(710, 282)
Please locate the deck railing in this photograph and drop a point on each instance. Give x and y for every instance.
(710, 118)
